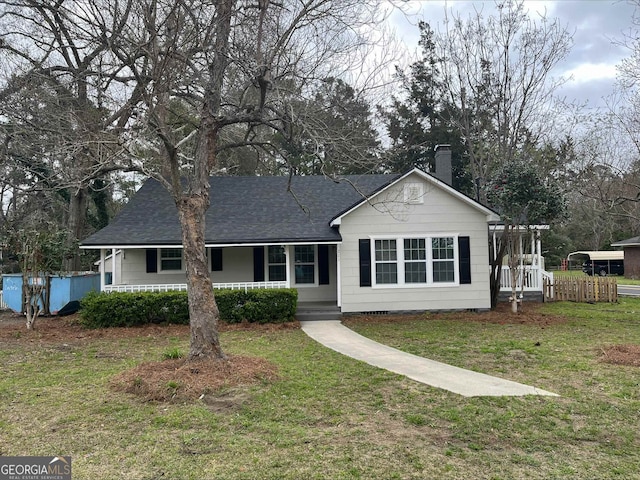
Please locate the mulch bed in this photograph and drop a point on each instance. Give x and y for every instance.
(179, 381)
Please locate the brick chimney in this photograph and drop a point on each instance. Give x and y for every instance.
(443, 163)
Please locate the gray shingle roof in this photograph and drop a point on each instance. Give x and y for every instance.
(629, 242)
(243, 210)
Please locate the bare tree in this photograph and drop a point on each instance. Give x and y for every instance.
(497, 72)
(212, 76)
(57, 124)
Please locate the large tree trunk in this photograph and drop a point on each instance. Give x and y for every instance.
(203, 311)
(75, 230)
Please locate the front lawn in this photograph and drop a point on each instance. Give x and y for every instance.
(328, 416)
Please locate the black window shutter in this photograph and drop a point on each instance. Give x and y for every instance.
(365, 262)
(464, 261)
(152, 260)
(258, 264)
(216, 259)
(323, 264)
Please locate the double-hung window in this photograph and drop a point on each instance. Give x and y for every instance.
(415, 260)
(386, 261)
(305, 264)
(443, 258)
(170, 259)
(423, 260)
(277, 261)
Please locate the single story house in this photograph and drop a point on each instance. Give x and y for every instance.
(407, 242)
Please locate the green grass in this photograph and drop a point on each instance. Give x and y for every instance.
(333, 417)
(579, 273)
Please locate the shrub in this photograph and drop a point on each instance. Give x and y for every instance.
(261, 306)
(120, 309)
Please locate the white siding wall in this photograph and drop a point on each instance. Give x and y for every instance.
(440, 214)
(134, 270)
(237, 265)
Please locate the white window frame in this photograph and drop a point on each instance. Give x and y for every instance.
(169, 271)
(424, 261)
(284, 251)
(377, 262)
(455, 260)
(400, 260)
(315, 266)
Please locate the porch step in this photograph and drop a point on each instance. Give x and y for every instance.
(309, 311)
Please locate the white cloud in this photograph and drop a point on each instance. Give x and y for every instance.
(588, 72)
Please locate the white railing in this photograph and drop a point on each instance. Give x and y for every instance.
(531, 277)
(183, 286)
(3, 306)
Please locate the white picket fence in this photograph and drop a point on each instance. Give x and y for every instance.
(3, 306)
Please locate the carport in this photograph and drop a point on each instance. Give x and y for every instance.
(601, 262)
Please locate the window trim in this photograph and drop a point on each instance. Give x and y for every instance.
(182, 268)
(315, 266)
(269, 264)
(400, 260)
(377, 262)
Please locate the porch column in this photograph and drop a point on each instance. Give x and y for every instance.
(338, 275)
(287, 258)
(102, 269)
(539, 257)
(113, 266)
(534, 257)
(493, 242)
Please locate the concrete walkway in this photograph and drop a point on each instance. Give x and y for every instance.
(334, 335)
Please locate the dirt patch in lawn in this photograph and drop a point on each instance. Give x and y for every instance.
(622, 355)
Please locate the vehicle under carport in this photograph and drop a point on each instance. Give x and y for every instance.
(599, 262)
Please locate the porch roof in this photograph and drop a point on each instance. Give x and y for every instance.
(244, 210)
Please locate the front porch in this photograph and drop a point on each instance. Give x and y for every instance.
(531, 273)
(309, 268)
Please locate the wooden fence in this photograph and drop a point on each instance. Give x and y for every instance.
(580, 289)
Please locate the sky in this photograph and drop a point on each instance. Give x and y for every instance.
(596, 26)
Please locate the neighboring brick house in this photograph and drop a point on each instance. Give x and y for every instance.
(631, 247)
